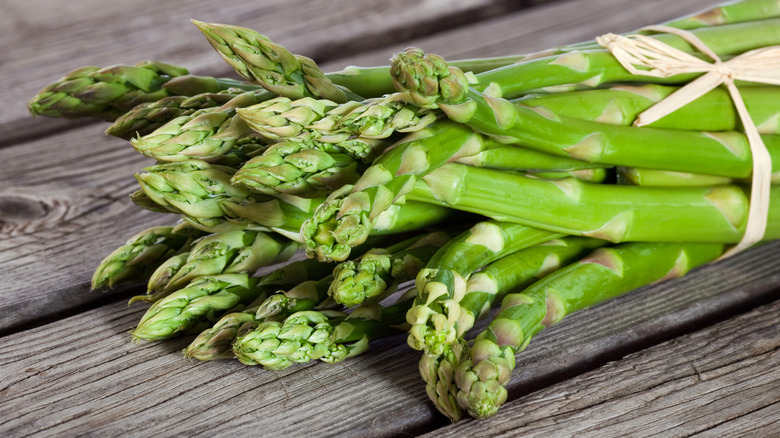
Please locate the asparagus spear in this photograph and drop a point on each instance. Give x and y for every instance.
(442, 283)
(299, 169)
(326, 335)
(258, 59)
(203, 193)
(348, 214)
(143, 253)
(204, 297)
(371, 277)
(616, 213)
(206, 134)
(606, 273)
(620, 104)
(285, 119)
(145, 117)
(222, 253)
(216, 342)
(105, 93)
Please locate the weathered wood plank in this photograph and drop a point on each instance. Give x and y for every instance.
(82, 374)
(63, 197)
(43, 40)
(721, 381)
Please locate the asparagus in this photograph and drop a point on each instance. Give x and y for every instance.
(105, 93)
(204, 297)
(206, 134)
(666, 178)
(310, 121)
(258, 59)
(216, 342)
(297, 168)
(619, 105)
(203, 194)
(611, 212)
(606, 273)
(442, 283)
(145, 117)
(223, 253)
(373, 276)
(143, 253)
(325, 335)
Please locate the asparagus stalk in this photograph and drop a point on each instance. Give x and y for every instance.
(509, 273)
(105, 93)
(217, 342)
(325, 335)
(606, 273)
(442, 283)
(258, 59)
(204, 297)
(612, 212)
(667, 178)
(299, 169)
(206, 134)
(145, 117)
(143, 253)
(371, 277)
(304, 120)
(223, 253)
(620, 104)
(203, 194)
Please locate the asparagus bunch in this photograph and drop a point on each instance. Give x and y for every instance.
(534, 155)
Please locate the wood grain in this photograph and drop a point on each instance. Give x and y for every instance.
(43, 40)
(83, 375)
(721, 381)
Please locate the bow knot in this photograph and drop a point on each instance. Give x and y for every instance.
(645, 56)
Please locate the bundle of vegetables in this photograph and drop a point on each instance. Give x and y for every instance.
(545, 197)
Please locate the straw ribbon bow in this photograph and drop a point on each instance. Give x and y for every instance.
(642, 55)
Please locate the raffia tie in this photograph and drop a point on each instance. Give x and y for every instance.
(642, 55)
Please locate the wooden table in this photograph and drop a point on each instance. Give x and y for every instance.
(700, 355)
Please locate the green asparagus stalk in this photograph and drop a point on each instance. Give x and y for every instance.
(620, 105)
(206, 134)
(311, 121)
(371, 277)
(606, 273)
(223, 253)
(299, 169)
(203, 194)
(667, 178)
(510, 157)
(105, 93)
(144, 118)
(325, 335)
(732, 12)
(204, 297)
(217, 342)
(258, 59)
(617, 213)
(143, 253)
(442, 283)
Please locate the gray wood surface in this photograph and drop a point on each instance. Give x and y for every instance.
(721, 381)
(63, 206)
